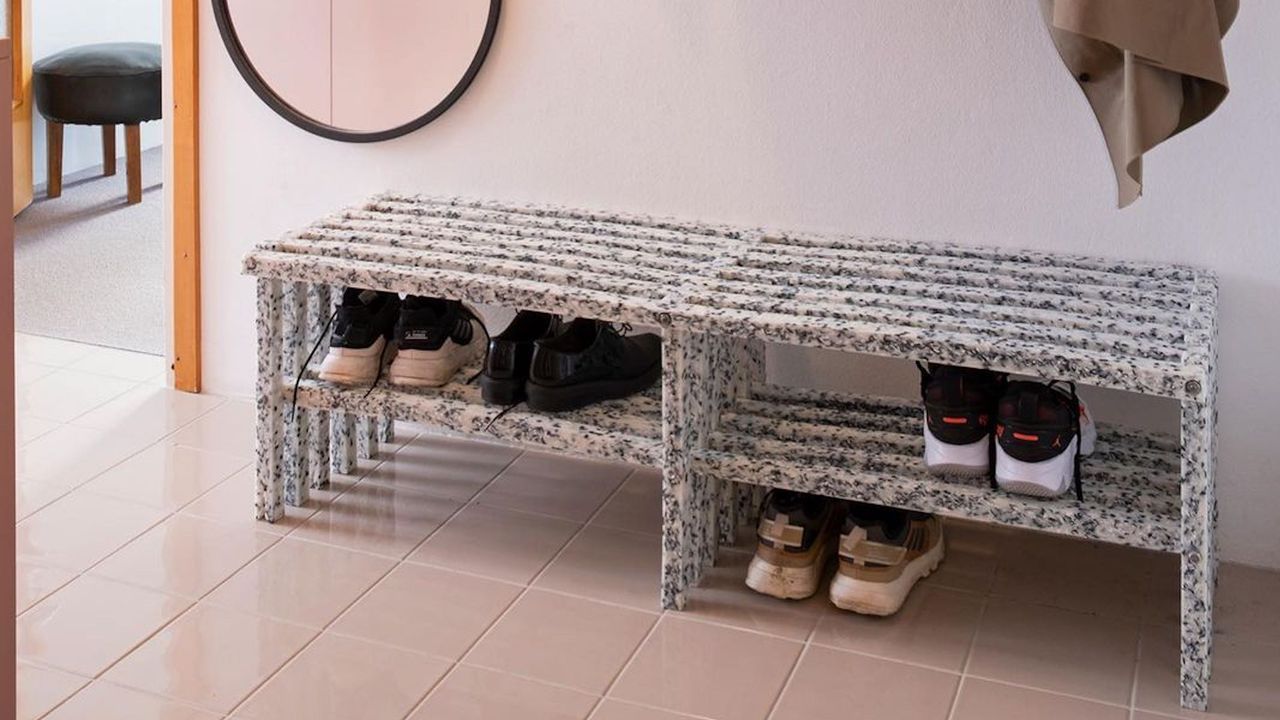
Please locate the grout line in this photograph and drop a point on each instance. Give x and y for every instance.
(795, 667)
(528, 586)
(968, 655)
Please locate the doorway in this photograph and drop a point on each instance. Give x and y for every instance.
(91, 265)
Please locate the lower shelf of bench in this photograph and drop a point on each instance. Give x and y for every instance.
(869, 449)
(627, 430)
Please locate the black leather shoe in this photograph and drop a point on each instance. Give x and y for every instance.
(590, 361)
(506, 366)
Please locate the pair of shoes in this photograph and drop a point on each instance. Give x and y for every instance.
(882, 551)
(1034, 434)
(428, 339)
(556, 367)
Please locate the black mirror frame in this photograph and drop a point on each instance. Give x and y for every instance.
(260, 87)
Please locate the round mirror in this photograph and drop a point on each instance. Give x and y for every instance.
(358, 70)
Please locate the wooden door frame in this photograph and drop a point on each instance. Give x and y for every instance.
(183, 193)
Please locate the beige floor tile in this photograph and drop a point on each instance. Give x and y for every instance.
(610, 565)
(984, 700)
(611, 709)
(449, 467)
(31, 496)
(571, 488)
(637, 506)
(40, 689)
(428, 610)
(341, 678)
(378, 519)
(82, 528)
(121, 364)
(210, 657)
(498, 543)
(69, 455)
(470, 693)
(1245, 604)
(36, 581)
(64, 394)
(703, 669)
(47, 350)
(26, 372)
(1245, 684)
(301, 582)
(831, 685)
(935, 627)
(563, 640)
(185, 555)
(1162, 604)
(166, 476)
(151, 410)
(973, 552)
(104, 701)
(228, 428)
(724, 597)
(231, 502)
(30, 427)
(1057, 650)
(1074, 575)
(92, 622)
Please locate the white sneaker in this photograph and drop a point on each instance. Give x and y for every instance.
(1041, 432)
(435, 339)
(958, 408)
(884, 552)
(358, 346)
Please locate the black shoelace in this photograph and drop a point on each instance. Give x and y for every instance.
(297, 381)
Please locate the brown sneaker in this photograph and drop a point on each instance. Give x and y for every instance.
(883, 552)
(796, 538)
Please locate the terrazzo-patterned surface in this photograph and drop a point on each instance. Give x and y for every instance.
(1142, 327)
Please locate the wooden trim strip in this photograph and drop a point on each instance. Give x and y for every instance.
(185, 195)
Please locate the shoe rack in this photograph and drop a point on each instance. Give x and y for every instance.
(715, 427)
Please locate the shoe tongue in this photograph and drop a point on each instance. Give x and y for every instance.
(356, 297)
(436, 307)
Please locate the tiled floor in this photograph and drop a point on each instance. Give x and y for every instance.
(464, 580)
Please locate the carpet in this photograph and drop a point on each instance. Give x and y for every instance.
(89, 267)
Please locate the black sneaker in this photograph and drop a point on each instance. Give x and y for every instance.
(362, 336)
(506, 366)
(436, 338)
(590, 361)
(795, 539)
(959, 410)
(1042, 430)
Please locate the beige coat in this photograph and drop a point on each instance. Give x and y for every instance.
(1149, 68)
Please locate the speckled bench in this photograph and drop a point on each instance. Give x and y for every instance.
(715, 427)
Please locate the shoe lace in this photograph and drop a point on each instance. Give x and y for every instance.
(466, 311)
(297, 381)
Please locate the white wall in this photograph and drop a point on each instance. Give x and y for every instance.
(917, 119)
(59, 24)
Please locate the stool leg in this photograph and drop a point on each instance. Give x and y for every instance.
(108, 149)
(53, 134)
(133, 161)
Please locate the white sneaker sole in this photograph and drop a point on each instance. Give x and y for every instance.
(884, 598)
(429, 368)
(786, 583)
(946, 459)
(1047, 479)
(352, 366)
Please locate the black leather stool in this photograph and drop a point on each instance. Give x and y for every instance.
(105, 84)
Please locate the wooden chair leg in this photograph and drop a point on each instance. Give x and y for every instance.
(133, 161)
(53, 134)
(108, 149)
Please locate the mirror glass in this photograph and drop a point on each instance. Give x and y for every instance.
(358, 70)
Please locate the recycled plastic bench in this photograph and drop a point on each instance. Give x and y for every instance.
(715, 426)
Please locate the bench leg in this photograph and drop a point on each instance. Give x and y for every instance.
(1199, 557)
(108, 150)
(675, 473)
(297, 485)
(269, 496)
(387, 429)
(53, 142)
(133, 162)
(342, 445)
(319, 307)
(367, 437)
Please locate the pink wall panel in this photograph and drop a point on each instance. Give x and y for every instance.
(288, 42)
(396, 59)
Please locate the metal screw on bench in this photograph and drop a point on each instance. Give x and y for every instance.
(1193, 387)
(664, 318)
